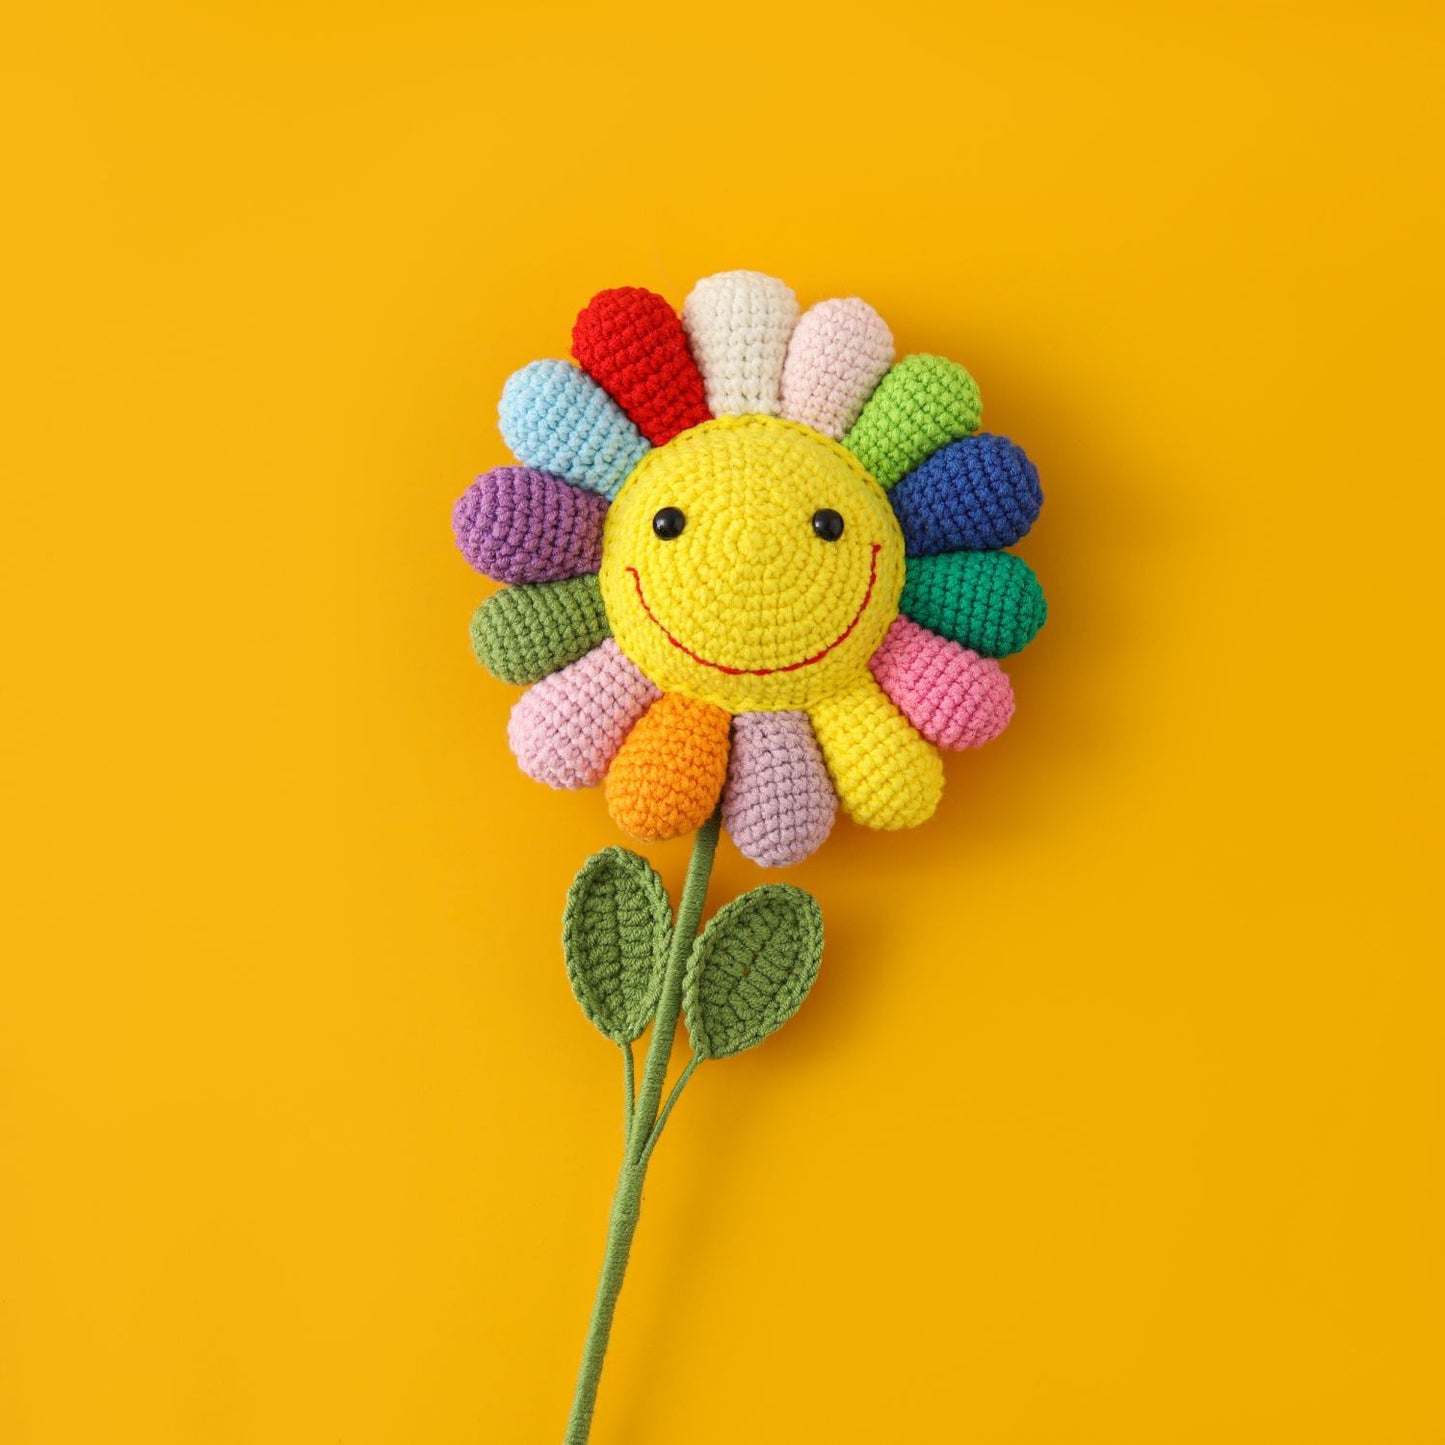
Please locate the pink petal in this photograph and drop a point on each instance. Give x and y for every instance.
(779, 803)
(954, 697)
(566, 729)
(838, 353)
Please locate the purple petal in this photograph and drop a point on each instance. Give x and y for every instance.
(779, 804)
(520, 525)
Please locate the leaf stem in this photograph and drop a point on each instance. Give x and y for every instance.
(629, 1089)
(672, 1098)
(641, 1136)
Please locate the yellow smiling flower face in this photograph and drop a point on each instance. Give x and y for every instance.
(751, 563)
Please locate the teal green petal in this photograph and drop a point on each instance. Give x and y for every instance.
(989, 601)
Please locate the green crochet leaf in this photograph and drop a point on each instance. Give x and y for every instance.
(521, 634)
(751, 969)
(615, 933)
(922, 404)
(989, 601)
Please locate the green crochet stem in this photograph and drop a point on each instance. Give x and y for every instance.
(645, 1125)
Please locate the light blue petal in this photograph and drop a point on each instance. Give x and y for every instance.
(556, 418)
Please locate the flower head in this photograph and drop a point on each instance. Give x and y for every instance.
(750, 557)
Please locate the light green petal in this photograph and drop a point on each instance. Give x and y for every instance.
(922, 404)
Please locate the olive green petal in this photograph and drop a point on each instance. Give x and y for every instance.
(921, 405)
(521, 634)
(989, 601)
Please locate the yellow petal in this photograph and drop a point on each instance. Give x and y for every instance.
(886, 775)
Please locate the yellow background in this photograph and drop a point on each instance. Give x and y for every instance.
(1115, 1114)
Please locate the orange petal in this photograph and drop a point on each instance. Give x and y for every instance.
(666, 779)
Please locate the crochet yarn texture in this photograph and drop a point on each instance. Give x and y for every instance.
(753, 575)
(752, 563)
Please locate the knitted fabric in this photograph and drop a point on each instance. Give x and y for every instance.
(631, 342)
(885, 774)
(748, 607)
(738, 323)
(988, 601)
(977, 493)
(520, 525)
(566, 729)
(557, 419)
(523, 633)
(751, 969)
(779, 803)
(838, 353)
(668, 776)
(954, 697)
(923, 403)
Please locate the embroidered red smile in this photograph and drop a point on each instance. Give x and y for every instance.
(765, 671)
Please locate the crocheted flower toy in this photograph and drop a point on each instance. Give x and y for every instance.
(754, 570)
(752, 558)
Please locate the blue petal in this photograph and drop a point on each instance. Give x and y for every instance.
(978, 493)
(555, 418)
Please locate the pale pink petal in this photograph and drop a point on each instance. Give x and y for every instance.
(954, 697)
(738, 324)
(779, 804)
(566, 729)
(838, 354)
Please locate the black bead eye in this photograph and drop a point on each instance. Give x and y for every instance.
(668, 523)
(827, 524)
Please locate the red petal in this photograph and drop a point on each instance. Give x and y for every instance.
(632, 344)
